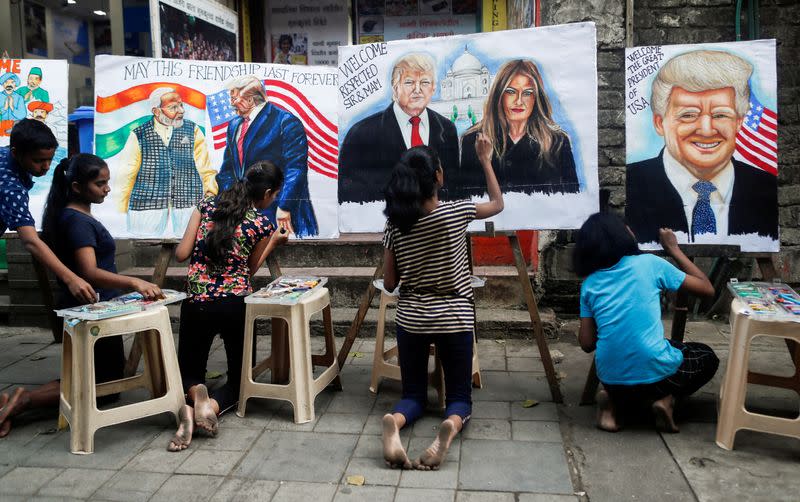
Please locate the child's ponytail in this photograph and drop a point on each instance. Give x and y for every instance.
(413, 181)
(233, 204)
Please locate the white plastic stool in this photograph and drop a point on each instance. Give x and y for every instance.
(382, 368)
(732, 412)
(302, 388)
(78, 405)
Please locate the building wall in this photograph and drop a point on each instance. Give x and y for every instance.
(661, 22)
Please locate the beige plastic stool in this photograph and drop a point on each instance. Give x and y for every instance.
(732, 413)
(302, 388)
(382, 368)
(78, 388)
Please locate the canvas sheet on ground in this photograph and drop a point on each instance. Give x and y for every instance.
(533, 91)
(173, 131)
(37, 89)
(701, 133)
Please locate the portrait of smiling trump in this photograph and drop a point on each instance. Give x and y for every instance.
(698, 185)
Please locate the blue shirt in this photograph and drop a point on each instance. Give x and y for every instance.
(14, 185)
(624, 301)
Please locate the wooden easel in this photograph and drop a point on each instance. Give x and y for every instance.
(527, 291)
(681, 309)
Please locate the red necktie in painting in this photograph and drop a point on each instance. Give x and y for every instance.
(416, 139)
(240, 141)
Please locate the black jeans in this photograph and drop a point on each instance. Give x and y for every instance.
(697, 369)
(200, 323)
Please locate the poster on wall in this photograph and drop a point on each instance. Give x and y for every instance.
(35, 89)
(175, 131)
(702, 153)
(306, 33)
(540, 114)
(385, 20)
(71, 39)
(35, 30)
(194, 29)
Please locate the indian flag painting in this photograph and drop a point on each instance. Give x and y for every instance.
(167, 127)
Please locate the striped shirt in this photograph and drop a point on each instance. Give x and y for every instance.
(435, 291)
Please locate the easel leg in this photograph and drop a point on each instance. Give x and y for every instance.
(165, 255)
(56, 324)
(355, 327)
(590, 387)
(681, 312)
(536, 322)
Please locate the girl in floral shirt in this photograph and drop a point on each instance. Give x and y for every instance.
(227, 239)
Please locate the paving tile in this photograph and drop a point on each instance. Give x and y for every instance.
(349, 403)
(374, 470)
(77, 483)
(542, 411)
(465, 496)
(492, 362)
(521, 348)
(427, 426)
(114, 447)
(47, 498)
(418, 445)
(187, 488)
(343, 423)
(491, 409)
(158, 459)
(530, 430)
(131, 486)
(294, 491)
(549, 497)
(35, 372)
(506, 466)
(446, 477)
(26, 480)
(365, 493)
(298, 456)
(258, 413)
(210, 462)
(370, 446)
(245, 490)
(26, 438)
(485, 428)
(512, 386)
(426, 494)
(230, 438)
(524, 364)
(283, 420)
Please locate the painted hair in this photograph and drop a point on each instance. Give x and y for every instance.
(413, 182)
(233, 204)
(82, 168)
(540, 126)
(416, 61)
(30, 135)
(601, 242)
(249, 86)
(156, 97)
(699, 71)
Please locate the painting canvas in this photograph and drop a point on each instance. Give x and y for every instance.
(702, 153)
(37, 89)
(540, 113)
(174, 132)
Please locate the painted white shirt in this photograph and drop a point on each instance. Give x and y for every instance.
(164, 131)
(251, 116)
(404, 121)
(683, 181)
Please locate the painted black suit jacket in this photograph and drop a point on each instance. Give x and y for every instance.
(373, 146)
(652, 201)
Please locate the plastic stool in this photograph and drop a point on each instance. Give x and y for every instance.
(732, 412)
(382, 368)
(78, 388)
(302, 388)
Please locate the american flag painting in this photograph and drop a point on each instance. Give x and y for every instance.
(321, 133)
(757, 141)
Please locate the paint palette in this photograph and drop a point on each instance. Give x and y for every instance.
(287, 290)
(768, 299)
(121, 305)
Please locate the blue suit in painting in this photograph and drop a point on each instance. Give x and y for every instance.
(279, 137)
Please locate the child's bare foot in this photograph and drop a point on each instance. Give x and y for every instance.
(183, 436)
(663, 412)
(606, 417)
(205, 417)
(434, 455)
(12, 406)
(393, 452)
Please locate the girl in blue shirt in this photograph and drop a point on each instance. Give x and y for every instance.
(621, 320)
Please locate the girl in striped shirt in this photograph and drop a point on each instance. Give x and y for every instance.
(426, 253)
